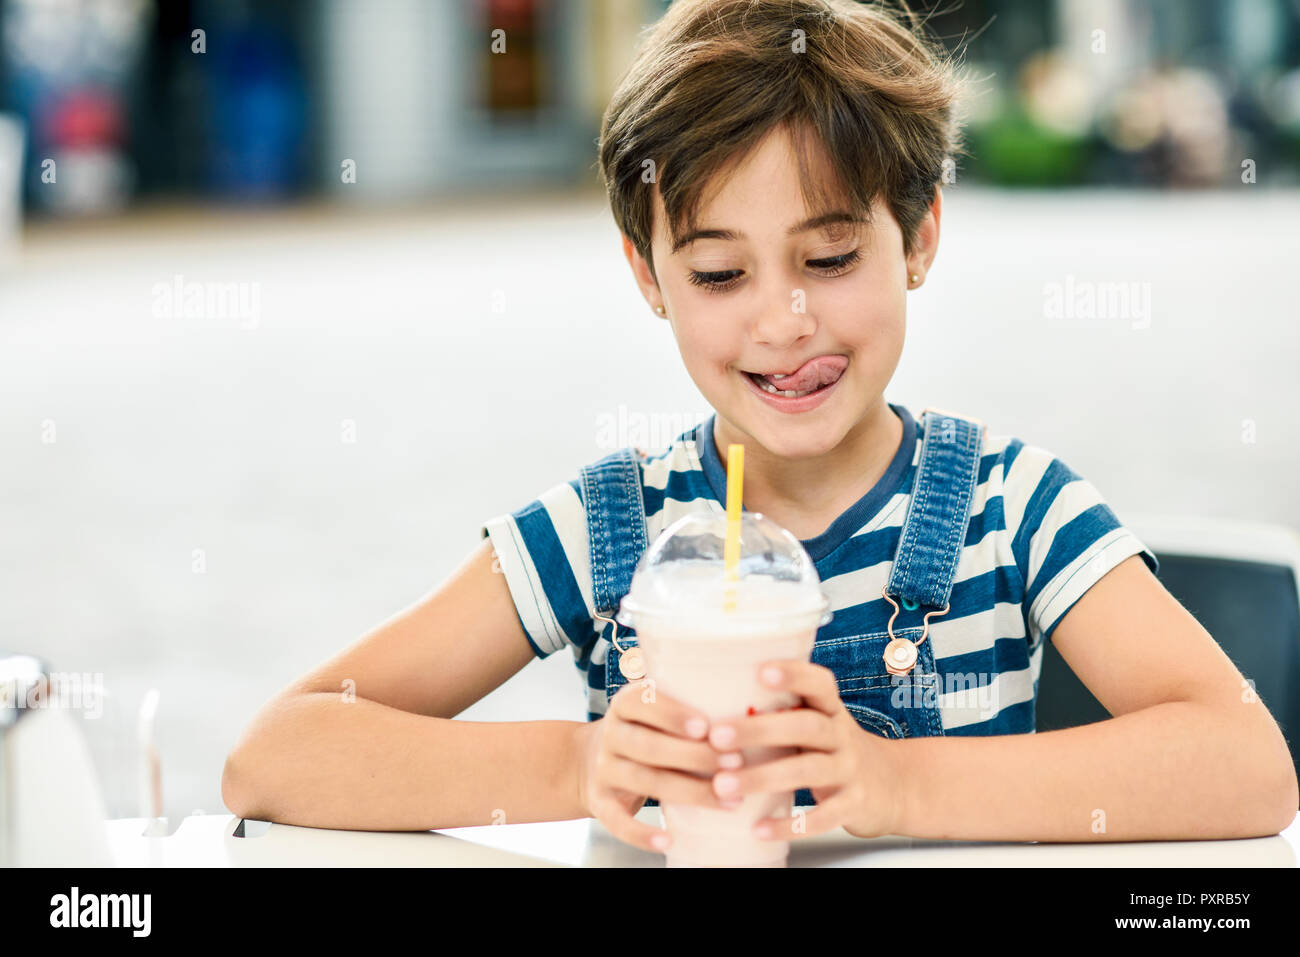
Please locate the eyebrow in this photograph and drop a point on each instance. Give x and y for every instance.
(816, 222)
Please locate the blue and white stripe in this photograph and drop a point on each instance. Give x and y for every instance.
(1037, 538)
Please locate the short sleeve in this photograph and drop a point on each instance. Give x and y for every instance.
(542, 550)
(1064, 536)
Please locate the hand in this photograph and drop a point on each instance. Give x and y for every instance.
(852, 773)
(648, 743)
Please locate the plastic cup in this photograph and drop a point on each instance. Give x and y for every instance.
(701, 653)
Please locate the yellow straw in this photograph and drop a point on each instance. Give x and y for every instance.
(731, 548)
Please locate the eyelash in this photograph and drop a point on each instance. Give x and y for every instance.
(711, 281)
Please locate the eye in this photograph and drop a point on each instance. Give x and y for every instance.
(715, 281)
(724, 280)
(836, 265)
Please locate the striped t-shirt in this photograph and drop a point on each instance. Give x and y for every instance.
(1037, 538)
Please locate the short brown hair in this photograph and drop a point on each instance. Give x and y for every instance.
(712, 77)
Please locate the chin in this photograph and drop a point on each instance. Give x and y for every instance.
(795, 440)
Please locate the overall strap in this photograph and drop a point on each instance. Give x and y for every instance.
(611, 493)
(934, 531)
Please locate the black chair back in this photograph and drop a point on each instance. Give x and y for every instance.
(1251, 609)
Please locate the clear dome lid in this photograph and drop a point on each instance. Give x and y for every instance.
(683, 574)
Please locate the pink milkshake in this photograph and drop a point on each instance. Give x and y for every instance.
(704, 637)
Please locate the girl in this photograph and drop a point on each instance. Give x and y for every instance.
(774, 169)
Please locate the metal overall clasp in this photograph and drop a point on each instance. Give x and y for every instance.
(630, 661)
(900, 653)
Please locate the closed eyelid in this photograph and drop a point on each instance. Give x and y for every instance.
(729, 265)
(841, 255)
(720, 280)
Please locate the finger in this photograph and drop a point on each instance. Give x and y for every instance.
(656, 748)
(794, 727)
(642, 702)
(805, 822)
(666, 786)
(815, 684)
(812, 769)
(626, 827)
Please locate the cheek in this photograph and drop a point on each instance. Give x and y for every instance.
(704, 341)
(878, 288)
(861, 318)
(867, 314)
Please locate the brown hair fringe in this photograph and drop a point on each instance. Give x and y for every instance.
(712, 77)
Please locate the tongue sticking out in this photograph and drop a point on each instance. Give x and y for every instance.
(813, 374)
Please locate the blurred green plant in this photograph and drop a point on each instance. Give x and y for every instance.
(1013, 150)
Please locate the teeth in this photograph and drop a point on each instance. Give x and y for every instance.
(788, 393)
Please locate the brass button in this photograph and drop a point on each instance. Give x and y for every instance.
(631, 664)
(900, 656)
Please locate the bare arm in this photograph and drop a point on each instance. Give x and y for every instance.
(366, 741)
(1190, 753)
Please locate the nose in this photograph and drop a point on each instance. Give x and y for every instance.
(783, 318)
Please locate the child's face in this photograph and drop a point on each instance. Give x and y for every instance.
(779, 300)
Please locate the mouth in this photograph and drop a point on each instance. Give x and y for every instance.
(797, 400)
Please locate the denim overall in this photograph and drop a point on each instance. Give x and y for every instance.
(925, 562)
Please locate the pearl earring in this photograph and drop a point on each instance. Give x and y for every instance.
(915, 277)
(660, 310)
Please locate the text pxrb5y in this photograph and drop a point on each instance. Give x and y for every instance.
(1206, 897)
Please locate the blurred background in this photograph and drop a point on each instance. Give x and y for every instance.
(294, 295)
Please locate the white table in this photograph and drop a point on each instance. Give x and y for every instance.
(207, 840)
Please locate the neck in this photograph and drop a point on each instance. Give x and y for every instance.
(821, 485)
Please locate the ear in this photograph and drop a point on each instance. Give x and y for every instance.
(927, 238)
(641, 272)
